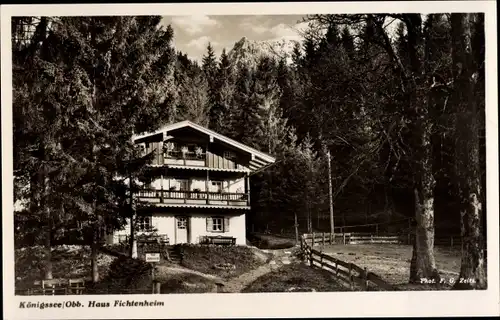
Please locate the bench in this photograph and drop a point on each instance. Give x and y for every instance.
(146, 238)
(58, 287)
(219, 240)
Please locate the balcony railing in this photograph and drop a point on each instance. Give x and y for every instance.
(186, 158)
(193, 197)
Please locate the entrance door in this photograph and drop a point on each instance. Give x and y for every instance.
(181, 229)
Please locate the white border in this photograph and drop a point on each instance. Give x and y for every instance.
(449, 303)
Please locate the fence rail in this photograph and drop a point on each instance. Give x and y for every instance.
(349, 273)
(324, 238)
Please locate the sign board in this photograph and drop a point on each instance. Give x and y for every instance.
(153, 257)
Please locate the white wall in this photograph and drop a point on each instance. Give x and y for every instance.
(236, 185)
(198, 225)
(164, 223)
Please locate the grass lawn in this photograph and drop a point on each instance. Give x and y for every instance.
(209, 258)
(392, 262)
(267, 241)
(187, 283)
(296, 277)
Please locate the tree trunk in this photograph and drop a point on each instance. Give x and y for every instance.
(468, 168)
(47, 218)
(48, 248)
(423, 264)
(133, 241)
(94, 254)
(296, 228)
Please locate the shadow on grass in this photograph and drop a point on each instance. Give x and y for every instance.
(187, 283)
(297, 278)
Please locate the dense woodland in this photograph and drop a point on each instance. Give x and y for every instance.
(402, 115)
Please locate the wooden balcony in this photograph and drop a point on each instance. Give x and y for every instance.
(193, 159)
(193, 197)
(185, 159)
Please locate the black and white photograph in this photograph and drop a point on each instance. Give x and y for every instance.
(159, 158)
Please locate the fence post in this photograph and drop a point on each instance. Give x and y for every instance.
(331, 237)
(321, 259)
(336, 268)
(312, 243)
(311, 262)
(371, 238)
(158, 287)
(323, 238)
(365, 279)
(343, 234)
(350, 275)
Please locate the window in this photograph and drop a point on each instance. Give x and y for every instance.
(183, 184)
(217, 224)
(181, 222)
(144, 223)
(229, 155)
(216, 186)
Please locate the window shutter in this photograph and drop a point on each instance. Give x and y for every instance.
(210, 224)
(226, 224)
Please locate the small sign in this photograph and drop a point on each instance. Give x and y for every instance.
(152, 257)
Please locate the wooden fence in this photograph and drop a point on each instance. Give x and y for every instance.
(323, 238)
(347, 272)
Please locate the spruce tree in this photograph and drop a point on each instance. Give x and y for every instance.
(103, 79)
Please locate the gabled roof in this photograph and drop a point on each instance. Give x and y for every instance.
(259, 159)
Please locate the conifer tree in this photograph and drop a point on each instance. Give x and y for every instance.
(103, 79)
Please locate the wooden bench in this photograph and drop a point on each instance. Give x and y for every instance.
(55, 287)
(146, 238)
(219, 240)
(76, 286)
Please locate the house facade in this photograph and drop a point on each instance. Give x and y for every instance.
(197, 188)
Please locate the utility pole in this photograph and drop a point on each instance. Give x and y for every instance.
(332, 224)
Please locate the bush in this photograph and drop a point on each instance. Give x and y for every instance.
(126, 273)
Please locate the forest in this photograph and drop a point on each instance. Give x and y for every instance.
(401, 113)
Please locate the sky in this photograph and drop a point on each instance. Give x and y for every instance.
(193, 33)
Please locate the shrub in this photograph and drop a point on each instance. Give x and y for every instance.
(126, 273)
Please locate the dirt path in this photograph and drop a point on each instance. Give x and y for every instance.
(280, 258)
(167, 270)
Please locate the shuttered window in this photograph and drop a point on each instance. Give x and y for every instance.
(217, 224)
(144, 223)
